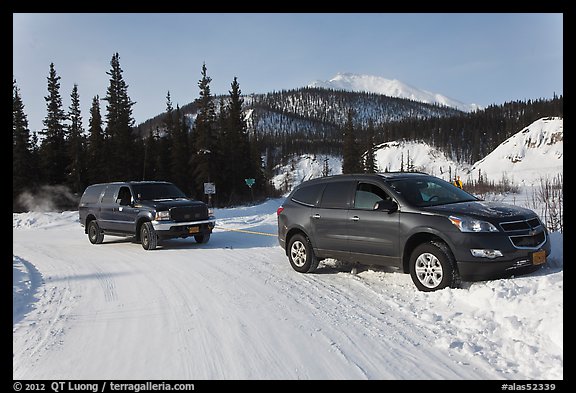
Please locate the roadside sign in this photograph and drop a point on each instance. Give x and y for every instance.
(209, 188)
(250, 182)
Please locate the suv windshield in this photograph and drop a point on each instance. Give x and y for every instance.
(429, 191)
(151, 191)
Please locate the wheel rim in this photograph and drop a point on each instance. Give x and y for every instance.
(144, 236)
(92, 232)
(298, 253)
(429, 270)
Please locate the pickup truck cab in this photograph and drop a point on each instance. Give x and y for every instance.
(148, 210)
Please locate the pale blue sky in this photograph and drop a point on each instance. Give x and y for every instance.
(474, 58)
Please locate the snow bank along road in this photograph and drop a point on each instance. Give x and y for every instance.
(235, 309)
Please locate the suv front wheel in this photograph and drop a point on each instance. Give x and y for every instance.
(148, 236)
(432, 267)
(301, 255)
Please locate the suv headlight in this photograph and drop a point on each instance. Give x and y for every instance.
(164, 215)
(465, 224)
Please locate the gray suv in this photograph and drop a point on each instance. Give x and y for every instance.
(413, 222)
(148, 210)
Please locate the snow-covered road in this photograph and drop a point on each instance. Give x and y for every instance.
(234, 309)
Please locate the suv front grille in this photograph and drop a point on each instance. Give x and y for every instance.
(189, 213)
(532, 223)
(532, 232)
(529, 241)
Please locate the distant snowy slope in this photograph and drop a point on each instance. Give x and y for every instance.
(389, 87)
(419, 156)
(305, 167)
(389, 156)
(532, 153)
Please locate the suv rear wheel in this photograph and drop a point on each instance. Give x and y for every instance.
(95, 234)
(432, 267)
(301, 255)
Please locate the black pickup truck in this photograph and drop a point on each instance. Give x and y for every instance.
(148, 210)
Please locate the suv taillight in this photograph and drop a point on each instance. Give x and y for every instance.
(280, 209)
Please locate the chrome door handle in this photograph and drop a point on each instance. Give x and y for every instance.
(355, 218)
(316, 216)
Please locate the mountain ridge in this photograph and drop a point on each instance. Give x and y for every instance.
(390, 87)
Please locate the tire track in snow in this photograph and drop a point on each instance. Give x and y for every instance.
(106, 281)
(343, 302)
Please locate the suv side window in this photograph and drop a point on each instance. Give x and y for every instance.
(337, 195)
(308, 195)
(367, 195)
(109, 194)
(92, 194)
(124, 196)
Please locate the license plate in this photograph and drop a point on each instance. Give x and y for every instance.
(538, 257)
(193, 229)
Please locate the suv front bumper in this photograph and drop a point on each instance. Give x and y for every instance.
(171, 228)
(514, 261)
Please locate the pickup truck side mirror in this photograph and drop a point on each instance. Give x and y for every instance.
(386, 205)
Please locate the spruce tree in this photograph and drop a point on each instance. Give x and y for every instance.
(53, 149)
(239, 153)
(149, 166)
(325, 168)
(23, 160)
(223, 150)
(123, 155)
(166, 143)
(203, 158)
(159, 158)
(369, 159)
(351, 162)
(76, 145)
(163, 144)
(169, 116)
(97, 168)
(179, 152)
(173, 146)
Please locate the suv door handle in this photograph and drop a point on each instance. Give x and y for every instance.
(316, 216)
(355, 218)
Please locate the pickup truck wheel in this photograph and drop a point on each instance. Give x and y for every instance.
(95, 234)
(301, 255)
(202, 238)
(148, 237)
(432, 267)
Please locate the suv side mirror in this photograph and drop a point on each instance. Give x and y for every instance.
(386, 205)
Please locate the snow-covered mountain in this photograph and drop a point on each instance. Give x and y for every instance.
(534, 152)
(389, 87)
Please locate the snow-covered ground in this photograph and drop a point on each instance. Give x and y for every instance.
(234, 309)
